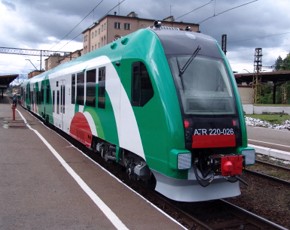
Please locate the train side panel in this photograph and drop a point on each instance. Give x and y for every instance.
(123, 101)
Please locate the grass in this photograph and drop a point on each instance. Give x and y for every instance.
(272, 118)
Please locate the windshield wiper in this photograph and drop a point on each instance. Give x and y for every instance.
(183, 69)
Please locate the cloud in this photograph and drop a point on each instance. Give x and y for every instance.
(9, 5)
(46, 24)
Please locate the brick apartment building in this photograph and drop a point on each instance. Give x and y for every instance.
(111, 27)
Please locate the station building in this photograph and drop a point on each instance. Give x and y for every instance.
(110, 28)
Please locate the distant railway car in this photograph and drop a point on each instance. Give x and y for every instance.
(162, 103)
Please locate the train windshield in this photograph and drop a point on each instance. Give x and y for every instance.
(203, 84)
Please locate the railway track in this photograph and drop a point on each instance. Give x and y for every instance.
(219, 214)
(270, 171)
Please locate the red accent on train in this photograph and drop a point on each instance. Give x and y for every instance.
(80, 129)
(231, 165)
(213, 141)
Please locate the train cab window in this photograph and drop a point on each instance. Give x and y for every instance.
(91, 88)
(101, 87)
(142, 90)
(80, 88)
(204, 86)
(73, 89)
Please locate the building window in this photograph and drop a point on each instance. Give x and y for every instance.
(91, 88)
(117, 25)
(142, 90)
(127, 26)
(101, 87)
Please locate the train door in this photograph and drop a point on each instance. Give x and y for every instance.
(59, 103)
(62, 102)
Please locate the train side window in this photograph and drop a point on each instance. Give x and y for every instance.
(62, 95)
(53, 100)
(142, 90)
(101, 87)
(47, 93)
(42, 94)
(57, 101)
(91, 88)
(80, 88)
(73, 89)
(32, 97)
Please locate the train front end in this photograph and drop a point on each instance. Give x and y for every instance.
(215, 136)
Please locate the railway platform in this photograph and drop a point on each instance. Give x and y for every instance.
(48, 184)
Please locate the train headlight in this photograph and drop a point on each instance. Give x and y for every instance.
(184, 160)
(250, 156)
(180, 159)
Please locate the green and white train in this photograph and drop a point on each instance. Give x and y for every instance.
(163, 103)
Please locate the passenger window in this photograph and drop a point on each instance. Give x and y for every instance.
(62, 103)
(91, 88)
(80, 88)
(57, 101)
(101, 87)
(142, 90)
(53, 100)
(47, 93)
(73, 89)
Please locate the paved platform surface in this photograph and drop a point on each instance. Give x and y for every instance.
(270, 142)
(39, 191)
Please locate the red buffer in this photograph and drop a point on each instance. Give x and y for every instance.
(231, 165)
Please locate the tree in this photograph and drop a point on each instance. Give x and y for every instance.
(278, 63)
(284, 64)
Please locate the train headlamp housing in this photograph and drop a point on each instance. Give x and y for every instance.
(250, 156)
(180, 159)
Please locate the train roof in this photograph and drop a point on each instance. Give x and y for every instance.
(174, 42)
(177, 42)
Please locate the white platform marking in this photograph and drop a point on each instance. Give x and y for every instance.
(95, 198)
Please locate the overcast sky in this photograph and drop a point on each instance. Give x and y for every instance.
(44, 24)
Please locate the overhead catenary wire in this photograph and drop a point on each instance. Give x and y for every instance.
(76, 26)
(85, 18)
(118, 5)
(214, 14)
(195, 9)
